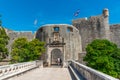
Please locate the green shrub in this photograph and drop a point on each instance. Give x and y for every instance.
(104, 56)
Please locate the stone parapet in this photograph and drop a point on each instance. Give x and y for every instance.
(8, 71)
(89, 73)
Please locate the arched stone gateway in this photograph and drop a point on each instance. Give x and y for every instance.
(55, 54)
(62, 41)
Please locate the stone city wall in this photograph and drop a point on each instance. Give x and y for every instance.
(95, 27)
(115, 33)
(17, 34)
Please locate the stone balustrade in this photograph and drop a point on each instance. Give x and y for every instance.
(89, 73)
(8, 71)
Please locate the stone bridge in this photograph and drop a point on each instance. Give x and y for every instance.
(35, 71)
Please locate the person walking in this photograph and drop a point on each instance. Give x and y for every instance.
(58, 61)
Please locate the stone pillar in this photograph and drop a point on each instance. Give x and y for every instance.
(48, 58)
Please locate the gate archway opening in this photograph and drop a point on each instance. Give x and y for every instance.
(55, 54)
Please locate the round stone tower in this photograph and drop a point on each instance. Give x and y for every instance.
(105, 12)
(105, 29)
(62, 41)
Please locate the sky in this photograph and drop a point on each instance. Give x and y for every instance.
(29, 15)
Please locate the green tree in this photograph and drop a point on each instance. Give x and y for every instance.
(36, 48)
(19, 50)
(3, 42)
(23, 50)
(104, 56)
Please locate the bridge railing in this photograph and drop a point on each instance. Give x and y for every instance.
(89, 73)
(8, 71)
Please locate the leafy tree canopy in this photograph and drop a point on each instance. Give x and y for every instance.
(23, 51)
(104, 56)
(3, 42)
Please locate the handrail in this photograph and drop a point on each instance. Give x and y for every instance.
(73, 72)
(7, 71)
(89, 73)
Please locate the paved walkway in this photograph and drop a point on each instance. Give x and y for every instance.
(45, 74)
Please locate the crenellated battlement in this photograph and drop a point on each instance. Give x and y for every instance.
(79, 20)
(115, 26)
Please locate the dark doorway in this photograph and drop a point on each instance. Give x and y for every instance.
(55, 54)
